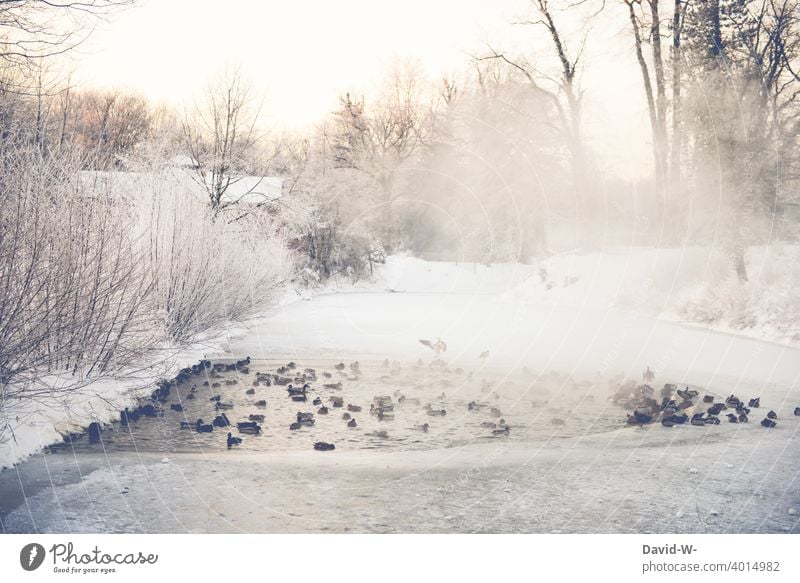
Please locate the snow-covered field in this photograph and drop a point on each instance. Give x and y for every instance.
(589, 319)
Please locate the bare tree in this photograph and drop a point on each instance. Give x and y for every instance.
(31, 30)
(678, 17)
(654, 84)
(380, 139)
(107, 125)
(566, 97)
(221, 134)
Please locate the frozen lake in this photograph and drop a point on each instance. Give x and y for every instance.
(588, 474)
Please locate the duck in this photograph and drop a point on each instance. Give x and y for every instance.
(201, 427)
(345, 416)
(712, 420)
(294, 426)
(732, 401)
(438, 346)
(299, 398)
(258, 418)
(190, 396)
(250, 392)
(755, 402)
(680, 419)
(382, 434)
(424, 427)
(262, 403)
(324, 446)
(639, 418)
(322, 410)
(559, 421)
(772, 415)
(768, 422)
(215, 398)
(385, 415)
(797, 411)
(667, 403)
(697, 419)
(305, 418)
(233, 440)
(223, 406)
(221, 421)
(503, 431)
(708, 398)
(176, 407)
(495, 412)
(743, 418)
(352, 423)
(94, 432)
(687, 394)
(339, 366)
(668, 421)
(337, 402)
(437, 412)
(186, 425)
(353, 408)
(716, 409)
(732, 418)
(317, 401)
(249, 427)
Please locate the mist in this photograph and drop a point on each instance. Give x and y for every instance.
(360, 240)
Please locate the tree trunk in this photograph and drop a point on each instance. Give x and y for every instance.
(652, 107)
(677, 113)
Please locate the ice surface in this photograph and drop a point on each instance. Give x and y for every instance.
(593, 477)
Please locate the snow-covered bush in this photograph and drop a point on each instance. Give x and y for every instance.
(76, 296)
(207, 269)
(101, 270)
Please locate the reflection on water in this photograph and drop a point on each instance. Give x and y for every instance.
(478, 406)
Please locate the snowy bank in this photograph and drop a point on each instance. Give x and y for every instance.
(554, 314)
(693, 285)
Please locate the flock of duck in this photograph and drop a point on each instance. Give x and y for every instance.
(684, 406)
(300, 397)
(301, 386)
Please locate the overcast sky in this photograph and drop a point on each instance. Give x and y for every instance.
(301, 54)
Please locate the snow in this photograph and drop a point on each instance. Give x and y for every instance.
(590, 317)
(44, 424)
(626, 481)
(688, 284)
(243, 189)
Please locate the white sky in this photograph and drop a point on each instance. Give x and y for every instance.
(301, 54)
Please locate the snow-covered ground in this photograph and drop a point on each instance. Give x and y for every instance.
(585, 317)
(690, 284)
